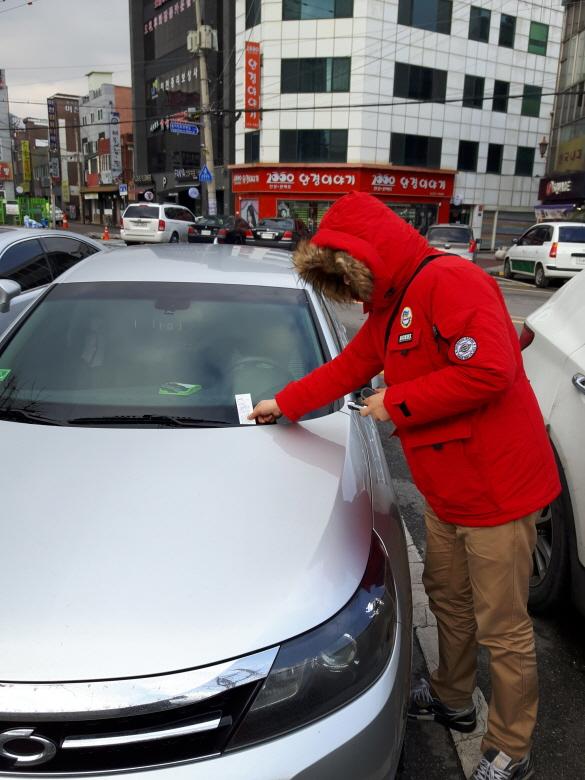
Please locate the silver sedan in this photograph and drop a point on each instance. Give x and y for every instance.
(184, 592)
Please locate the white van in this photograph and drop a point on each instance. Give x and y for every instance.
(156, 223)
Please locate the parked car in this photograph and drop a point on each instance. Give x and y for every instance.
(554, 356)
(58, 216)
(279, 232)
(549, 250)
(156, 223)
(205, 229)
(454, 238)
(235, 230)
(228, 596)
(35, 259)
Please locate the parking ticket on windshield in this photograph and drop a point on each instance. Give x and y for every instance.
(245, 407)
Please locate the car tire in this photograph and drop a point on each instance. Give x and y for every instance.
(508, 269)
(540, 278)
(551, 560)
(174, 239)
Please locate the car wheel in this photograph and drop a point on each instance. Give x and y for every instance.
(540, 278)
(174, 239)
(508, 269)
(550, 560)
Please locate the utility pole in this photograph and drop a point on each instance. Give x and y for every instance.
(205, 39)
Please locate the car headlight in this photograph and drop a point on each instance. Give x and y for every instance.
(329, 666)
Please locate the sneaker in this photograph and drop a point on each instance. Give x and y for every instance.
(496, 765)
(424, 706)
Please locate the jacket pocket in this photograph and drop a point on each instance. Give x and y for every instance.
(447, 469)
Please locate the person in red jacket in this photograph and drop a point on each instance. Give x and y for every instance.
(474, 439)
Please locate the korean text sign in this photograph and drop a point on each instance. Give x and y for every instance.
(252, 85)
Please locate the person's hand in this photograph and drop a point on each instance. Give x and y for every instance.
(374, 406)
(265, 412)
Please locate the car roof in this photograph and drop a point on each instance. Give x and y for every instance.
(8, 237)
(450, 225)
(166, 203)
(557, 223)
(207, 263)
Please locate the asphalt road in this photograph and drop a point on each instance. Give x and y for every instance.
(430, 753)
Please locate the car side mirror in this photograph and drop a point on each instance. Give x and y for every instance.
(8, 291)
(447, 246)
(515, 241)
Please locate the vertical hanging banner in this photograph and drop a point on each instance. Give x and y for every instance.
(115, 145)
(252, 86)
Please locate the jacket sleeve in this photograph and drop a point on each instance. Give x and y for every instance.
(353, 368)
(472, 325)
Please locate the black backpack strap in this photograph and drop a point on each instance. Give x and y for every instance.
(396, 308)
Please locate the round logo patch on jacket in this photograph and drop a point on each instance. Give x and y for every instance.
(406, 317)
(465, 348)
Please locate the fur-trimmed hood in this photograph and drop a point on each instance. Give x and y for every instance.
(363, 239)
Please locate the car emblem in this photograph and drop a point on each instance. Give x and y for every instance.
(25, 748)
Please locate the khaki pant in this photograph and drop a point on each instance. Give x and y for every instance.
(477, 583)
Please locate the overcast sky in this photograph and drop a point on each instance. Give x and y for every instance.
(50, 46)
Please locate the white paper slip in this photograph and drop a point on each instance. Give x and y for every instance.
(244, 405)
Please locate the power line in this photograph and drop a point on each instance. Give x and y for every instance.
(15, 7)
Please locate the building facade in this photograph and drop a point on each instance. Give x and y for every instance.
(437, 107)
(6, 172)
(31, 158)
(562, 190)
(107, 118)
(165, 77)
(65, 164)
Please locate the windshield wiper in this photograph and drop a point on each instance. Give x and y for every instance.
(168, 421)
(25, 416)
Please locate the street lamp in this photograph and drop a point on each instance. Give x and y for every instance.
(543, 146)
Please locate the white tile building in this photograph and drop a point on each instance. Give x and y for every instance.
(386, 113)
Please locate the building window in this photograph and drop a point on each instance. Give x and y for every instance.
(538, 38)
(313, 146)
(467, 159)
(473, 91)
(434, 15)
(531, 100)
(479, 24)
(494, 158)
(419, 150)
(413, 81)
(318, 74)
(316, 9)
(253, 13)
(507, 30)
(252, 147)
(524, 161)
(501, 93)
(100, 115)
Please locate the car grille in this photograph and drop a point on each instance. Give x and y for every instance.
(136, 736)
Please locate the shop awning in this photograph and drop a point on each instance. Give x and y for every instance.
(552, 210)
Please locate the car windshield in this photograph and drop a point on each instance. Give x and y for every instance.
(277, 224)
(141, 212)
(134, 350)
(572, 234)
(449, 235)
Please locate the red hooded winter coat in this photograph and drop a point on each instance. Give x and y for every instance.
(469, 423)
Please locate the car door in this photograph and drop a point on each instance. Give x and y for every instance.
(24, 262)
(64, 252)
(521, 255)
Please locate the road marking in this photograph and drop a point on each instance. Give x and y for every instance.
(468, 746)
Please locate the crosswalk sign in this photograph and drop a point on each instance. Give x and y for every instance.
(205, 174)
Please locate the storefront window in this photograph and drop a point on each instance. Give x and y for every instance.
(313, 146)
(419, 215)
(316, 9)
(433, 15)
(310, 211)
(315, 74)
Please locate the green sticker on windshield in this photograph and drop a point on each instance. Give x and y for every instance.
(5, 373)
(178, 388)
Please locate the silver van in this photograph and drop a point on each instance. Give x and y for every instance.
(156, 223)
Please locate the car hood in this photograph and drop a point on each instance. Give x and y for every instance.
(129, 552)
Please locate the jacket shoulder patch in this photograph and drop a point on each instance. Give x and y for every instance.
(465, 348)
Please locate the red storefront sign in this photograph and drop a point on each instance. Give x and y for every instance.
(252, 86)
(343, 179)
(5, 171)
